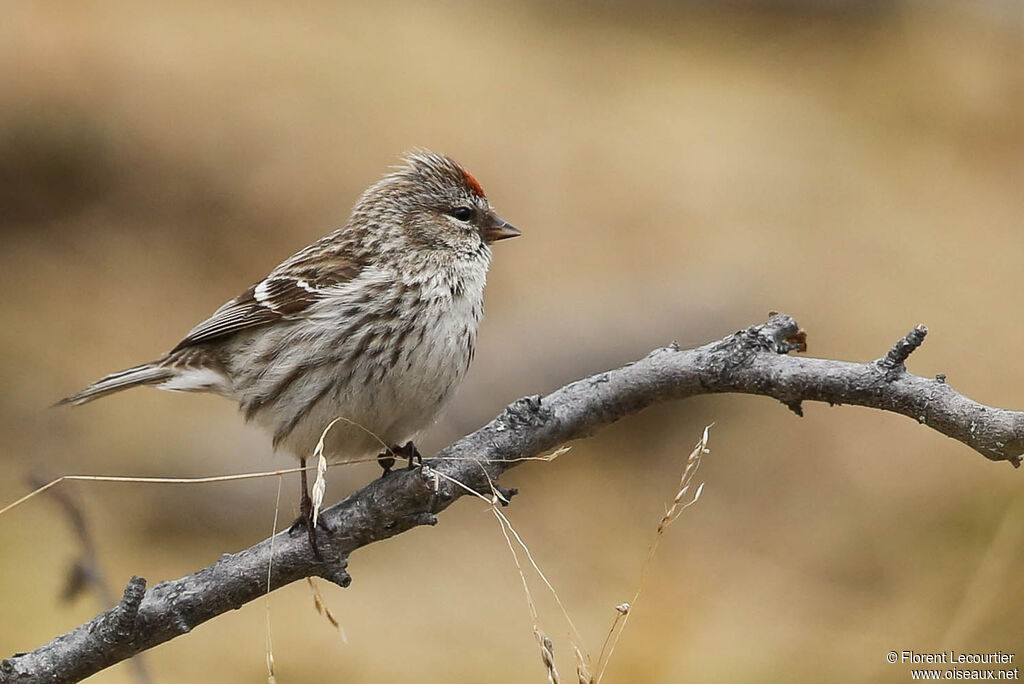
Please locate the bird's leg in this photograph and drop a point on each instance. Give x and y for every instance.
(410, 452)
(305, 518)
(386, 460)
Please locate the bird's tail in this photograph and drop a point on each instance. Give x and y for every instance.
(146, 374)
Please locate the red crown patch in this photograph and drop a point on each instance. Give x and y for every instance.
(473, 183)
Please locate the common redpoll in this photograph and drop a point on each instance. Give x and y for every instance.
(375, 323)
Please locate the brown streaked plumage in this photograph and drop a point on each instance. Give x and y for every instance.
(375, 323)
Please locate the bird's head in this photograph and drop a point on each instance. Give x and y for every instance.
(434, 203)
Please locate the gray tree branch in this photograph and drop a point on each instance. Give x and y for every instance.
(751, 361)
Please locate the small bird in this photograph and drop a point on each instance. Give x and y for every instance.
(374, 324)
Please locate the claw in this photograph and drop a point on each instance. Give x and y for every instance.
(410, 452)
(386, 461)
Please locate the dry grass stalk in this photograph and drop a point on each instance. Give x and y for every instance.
(547, 655)
(508, 529)
(546, 645)
(320, 483)
(540, 573)
(271, 679)
(680, 503)
(147, 480)
(321, 607)
(230, 478)
(582, 668)
(547, 457)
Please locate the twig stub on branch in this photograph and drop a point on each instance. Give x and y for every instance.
(900, 351)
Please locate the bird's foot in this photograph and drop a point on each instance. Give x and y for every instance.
(305, 520)
(410, 452)
(386, 461)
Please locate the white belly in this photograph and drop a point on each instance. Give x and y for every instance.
(380, 397)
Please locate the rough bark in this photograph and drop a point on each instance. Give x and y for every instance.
(752, 361)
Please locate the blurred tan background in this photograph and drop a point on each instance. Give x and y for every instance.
(678, 171)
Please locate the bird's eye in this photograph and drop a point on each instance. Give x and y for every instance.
(462, 213)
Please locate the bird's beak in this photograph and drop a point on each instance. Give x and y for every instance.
(499, 229)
